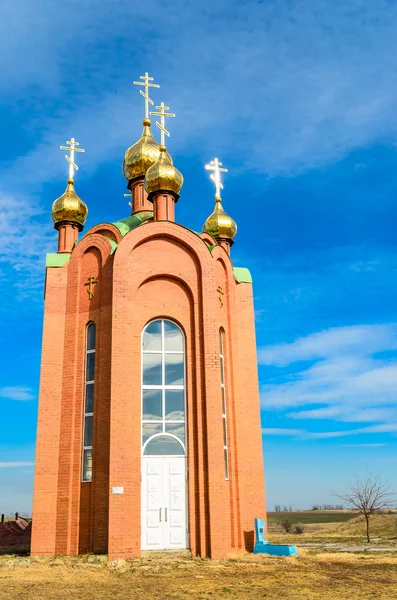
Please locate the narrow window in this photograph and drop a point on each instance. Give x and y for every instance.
(88, 401)
(223, 394)
(163, 389)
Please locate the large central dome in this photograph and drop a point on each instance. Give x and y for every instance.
(142, 155)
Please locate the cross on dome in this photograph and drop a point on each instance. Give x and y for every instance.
(216, 166)
(146, 83)
(71, 147)
(162, 114)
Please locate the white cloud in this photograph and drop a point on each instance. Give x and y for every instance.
(23, 244)
(6, 465)
(17, 393)
(278, 431)
(362, 445)
(335, 342)
(352, 378)
(322, 74)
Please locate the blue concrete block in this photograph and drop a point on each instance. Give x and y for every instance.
(275, 549)
(264, 547)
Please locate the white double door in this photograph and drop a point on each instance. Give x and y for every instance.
(164, 503)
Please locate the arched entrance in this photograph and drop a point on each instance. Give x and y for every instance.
(163, 487)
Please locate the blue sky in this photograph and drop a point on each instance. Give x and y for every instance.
(299, 101)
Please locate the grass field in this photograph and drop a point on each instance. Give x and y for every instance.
(313, 576)
(358, 571)
(310, 516)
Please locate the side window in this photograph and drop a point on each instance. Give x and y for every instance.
(89, 386)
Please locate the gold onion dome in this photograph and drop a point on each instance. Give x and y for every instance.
(69, 207)
(163, 176)
(142, 155)
(219, 224)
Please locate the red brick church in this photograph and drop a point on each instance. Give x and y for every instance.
(149, 428)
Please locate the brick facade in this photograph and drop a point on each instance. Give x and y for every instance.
(158, 269)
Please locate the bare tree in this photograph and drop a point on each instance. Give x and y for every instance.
(367, 497)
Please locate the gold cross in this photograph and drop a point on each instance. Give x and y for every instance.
(215, 166)
(90, 282)
(72, 149)
(145, 94)
(221, 293)
(162, 114)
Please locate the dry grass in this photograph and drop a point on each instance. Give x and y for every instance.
(383, 527)
(312, 576)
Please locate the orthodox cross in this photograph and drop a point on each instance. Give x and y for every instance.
(91, 280)
(72, 149)
(216, 166)
(162, 114)
(145, 94)
(175, 493)
(221, 293)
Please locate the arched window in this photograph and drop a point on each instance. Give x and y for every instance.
(163, 389)
(223, 394)
(89, 384)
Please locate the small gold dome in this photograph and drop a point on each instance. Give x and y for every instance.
(69, 207)
(163, 175)
(142, 155)
(219, 224)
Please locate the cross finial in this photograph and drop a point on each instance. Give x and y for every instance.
(146, 83)
(71, 147)
(216, 166)
(162, 114)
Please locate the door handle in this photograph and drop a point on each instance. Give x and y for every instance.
(160, 515)
(166, 519)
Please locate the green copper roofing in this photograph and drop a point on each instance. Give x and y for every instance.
(126, 225)
(53, 259)
(242, 275)
(113, 244)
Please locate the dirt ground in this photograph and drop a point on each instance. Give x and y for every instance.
(314, 575)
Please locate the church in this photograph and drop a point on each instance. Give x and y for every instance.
(149, 433)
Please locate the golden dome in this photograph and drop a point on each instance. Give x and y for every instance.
(163, 175)
(142, 155)
(219, 224)
(69, 207)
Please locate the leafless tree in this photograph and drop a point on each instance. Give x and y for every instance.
(367, 497)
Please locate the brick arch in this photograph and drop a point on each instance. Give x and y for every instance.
(208, 239)
(106, 230)
(192, 243)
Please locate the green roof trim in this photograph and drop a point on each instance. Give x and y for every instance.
(242, 275)
(113, 244)
(55, 259)
(132, 222)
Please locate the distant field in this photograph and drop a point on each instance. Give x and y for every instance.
(310, 516)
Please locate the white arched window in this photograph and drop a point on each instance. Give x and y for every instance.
(163, 390)
(89, 383)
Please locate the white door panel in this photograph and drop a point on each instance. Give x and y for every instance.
(164, 503)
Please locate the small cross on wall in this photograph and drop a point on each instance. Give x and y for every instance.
(220, 294)
(90, 282)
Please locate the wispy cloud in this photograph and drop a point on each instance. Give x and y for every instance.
(345, 374)
(23, 244)
(362, 445)
(280, 431)
(303, 434)
(6, 465)
(17, 393)
(338, 341)
(328, 84)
